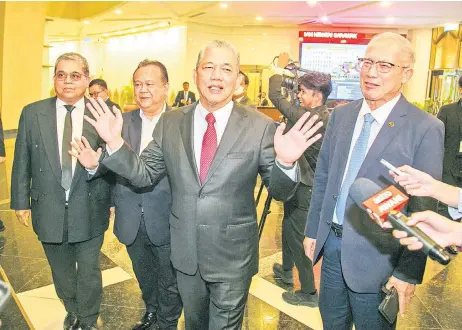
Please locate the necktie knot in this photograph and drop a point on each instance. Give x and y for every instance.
(69, 108)
(210, 119)
(368, 118)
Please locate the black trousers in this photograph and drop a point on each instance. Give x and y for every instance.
(212, 305)
(76, 272)
(157, 279)
(293, 233)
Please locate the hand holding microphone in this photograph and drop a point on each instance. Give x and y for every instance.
(386, 205)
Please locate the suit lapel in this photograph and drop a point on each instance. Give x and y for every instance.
(48, 130)
(236, 124)
(187, 135)
(134, 130)
(387, 133)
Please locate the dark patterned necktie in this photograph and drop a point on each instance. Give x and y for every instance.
(209, 147)
(66, 159)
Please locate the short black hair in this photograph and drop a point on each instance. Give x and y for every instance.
(185, 83)
(99, 82)
(161, 67)
(317, 81)
(246, 79)
(460, 81)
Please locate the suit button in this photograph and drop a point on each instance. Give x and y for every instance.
(89, 194)
(40, 170)
(335, 197)
(36, 145)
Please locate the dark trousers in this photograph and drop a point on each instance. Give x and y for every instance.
(157, 279)
(76, 272)
(293, 233)
(212, 305)
(339, 306)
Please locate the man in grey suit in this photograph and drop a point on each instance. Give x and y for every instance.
(212, 152)
(69, 213)
(358, 256)
(141, 214)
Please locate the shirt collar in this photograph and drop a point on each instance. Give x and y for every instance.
(143, 116)
(219, 114)
(80, 104)
(381, 113)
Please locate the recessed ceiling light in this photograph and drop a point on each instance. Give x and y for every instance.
(105, 34)
(324, 19)
(390, 19)
(259, 18)
(223, 5)
(118, 11)
(311, 3)
(86, 22)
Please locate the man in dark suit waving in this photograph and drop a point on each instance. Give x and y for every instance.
(69, 213)
(141, 214)
(184, 97)
(212, 152)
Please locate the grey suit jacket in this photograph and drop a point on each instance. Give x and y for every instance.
(213, 225)
(371, 255)
(129, 200)
(36, 180)
(451, 116)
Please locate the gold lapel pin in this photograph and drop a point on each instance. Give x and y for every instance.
(391, 124)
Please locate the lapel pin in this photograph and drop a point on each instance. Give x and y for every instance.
(391, 124)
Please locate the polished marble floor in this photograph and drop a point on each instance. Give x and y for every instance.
(34, 304)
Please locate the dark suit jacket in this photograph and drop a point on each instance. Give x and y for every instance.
(180, 96)
(129, 200)
(246, 101)
(111, 104)
(213, 226)
(2, 140)
(451, 116)
(371, 255)
(293, 114)
(36, 180)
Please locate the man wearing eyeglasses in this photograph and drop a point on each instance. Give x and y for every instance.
(69, 213)
(98, 88)
(358, 256)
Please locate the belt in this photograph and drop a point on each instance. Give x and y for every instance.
(337, 229)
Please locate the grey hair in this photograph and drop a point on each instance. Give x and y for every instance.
(74, 57)
(219, 44)
(405, 44)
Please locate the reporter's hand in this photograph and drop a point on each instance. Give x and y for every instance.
(84, 153)
(309, 244)
(443, 231)
(405, 292)
(415, 182)
(23, 217)
(283, 60)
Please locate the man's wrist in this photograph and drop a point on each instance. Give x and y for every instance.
(114, 145)
(285, 165)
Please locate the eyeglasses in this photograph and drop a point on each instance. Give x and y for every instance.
(381, 66)
(75, 76)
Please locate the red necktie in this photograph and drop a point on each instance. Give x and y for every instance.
(209, 147)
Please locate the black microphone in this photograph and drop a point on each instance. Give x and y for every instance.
(362, 189)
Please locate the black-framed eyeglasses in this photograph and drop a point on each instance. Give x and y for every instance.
(75, 76)
(381, 66)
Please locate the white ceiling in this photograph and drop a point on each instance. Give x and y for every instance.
(135, 14)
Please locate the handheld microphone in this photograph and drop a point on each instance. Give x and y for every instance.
(386, 204)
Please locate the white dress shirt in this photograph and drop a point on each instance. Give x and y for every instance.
(77, 125)
(147, 127)
(380, 116)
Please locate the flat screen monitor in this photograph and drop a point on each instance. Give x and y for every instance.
(341, 61)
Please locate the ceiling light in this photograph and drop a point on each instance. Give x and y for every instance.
(390, 19)
(385, 3)
(118, 11)
(324, 19)
(133, 30)
(259, 18)
(223, 5)
(105, 35)
(311, 3)
(86, 22)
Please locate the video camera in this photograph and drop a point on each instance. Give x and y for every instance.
(290, 80)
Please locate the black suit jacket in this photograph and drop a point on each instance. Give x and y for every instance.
(213, 225)
(451, 116)
(2, 140)
(36, 180)
(180, 96)
(129, 200)
(293, 113)
(111, 104)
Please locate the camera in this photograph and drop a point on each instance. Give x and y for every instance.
(291, 81)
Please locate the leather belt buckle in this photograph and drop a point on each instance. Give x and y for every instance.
(337, 229)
